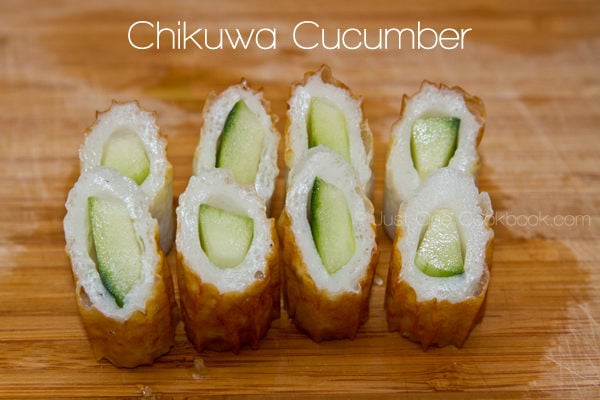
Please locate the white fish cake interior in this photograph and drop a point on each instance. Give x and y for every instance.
(238, 134)
(115, 128)
(217, 189)
(127, 139)
(452, 190)
(331, 109)
(108, 185)
(323, 163)
(437, 130)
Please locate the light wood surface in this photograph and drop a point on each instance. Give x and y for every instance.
(536, 65)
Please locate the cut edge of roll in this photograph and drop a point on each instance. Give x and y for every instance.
(432, 320)
(214, 114)
(106, 182)
(320, 314)
(144, 328)
(296, 135)
(325, 163)
(158, 184)
(218, 188)
(401, 178)
(225, 309)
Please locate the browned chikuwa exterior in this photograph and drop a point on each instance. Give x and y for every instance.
(432, 322)
(319, 314)
(145, 335)
(227, 321)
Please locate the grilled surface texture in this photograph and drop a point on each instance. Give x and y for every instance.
(318, 313)
(228, 321)
(432, 322)
(141, 338)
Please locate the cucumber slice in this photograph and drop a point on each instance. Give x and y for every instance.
(125, 152)
(331, 225)
(115, 242)
(241, 143)
(440, 252)
(225, 237)
(433, 143)
(327, 126)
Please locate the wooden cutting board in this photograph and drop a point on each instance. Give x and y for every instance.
(535, 64)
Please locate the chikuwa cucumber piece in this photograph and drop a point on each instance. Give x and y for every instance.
(241, 143)
(331, 225)
(327, 126)
(118, 253)
(433, 142)
(440, 251)
(125, 152)
(225, 237)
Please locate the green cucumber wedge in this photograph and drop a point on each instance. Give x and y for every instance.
(331, 225)
(125, 152)
(225, 237)
(440, 251)
(433, 143)
(327, 126)
(241, 143)
(118, 253)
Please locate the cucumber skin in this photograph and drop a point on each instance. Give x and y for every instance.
(105, 270)
(317, 202)
(226, 158)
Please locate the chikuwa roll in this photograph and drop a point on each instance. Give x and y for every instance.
(441, 259)
(323, 111)
(123, 285)
(238, 133)
(126, 138)
(327, 229)
(439, 126)
(227, 263)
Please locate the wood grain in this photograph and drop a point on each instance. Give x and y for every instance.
(535, 65)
